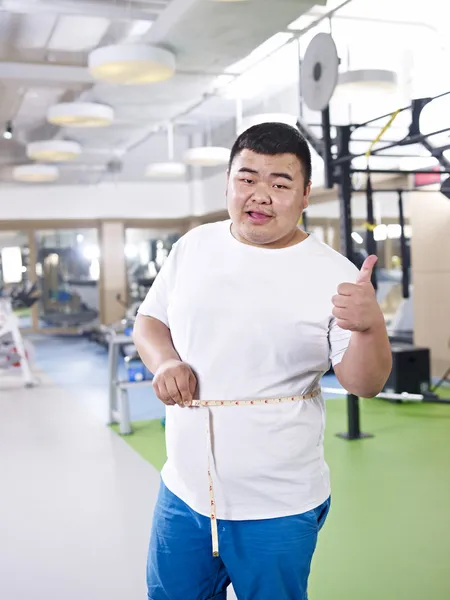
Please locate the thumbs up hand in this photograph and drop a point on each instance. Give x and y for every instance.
(355, 305)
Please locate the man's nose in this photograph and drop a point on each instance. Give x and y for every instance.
(261, 193)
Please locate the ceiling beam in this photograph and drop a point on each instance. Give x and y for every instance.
(44, 73)
(88, 8)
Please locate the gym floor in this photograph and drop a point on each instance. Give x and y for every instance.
(76, 499)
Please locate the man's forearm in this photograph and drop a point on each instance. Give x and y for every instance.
(153, 341)
(367, 363)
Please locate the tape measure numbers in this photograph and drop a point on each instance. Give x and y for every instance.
(229, 403)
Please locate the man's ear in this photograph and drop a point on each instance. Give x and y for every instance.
(306, 195)
(228, 180)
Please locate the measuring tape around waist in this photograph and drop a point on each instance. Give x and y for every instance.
(228, 403)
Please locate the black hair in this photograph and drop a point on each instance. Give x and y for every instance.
(272, 139)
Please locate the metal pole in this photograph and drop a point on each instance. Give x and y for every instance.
(327, 155)
(354, 430)
(401, 110)
(345, 200)
(403, 248)
(371, 245)
(403, 172)
(345, 192)
(305, 221)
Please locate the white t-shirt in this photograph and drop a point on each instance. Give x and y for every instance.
(252, 323)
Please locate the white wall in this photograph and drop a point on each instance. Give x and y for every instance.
(106, 201)
(213, 193)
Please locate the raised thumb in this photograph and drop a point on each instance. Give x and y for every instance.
(365, 274)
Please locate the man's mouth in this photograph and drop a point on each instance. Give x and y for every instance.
(259, 218)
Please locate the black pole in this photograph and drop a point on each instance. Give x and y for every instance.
(345, 200)
(403, 248)
(305, 221)
(353, 424)
(327, 154)
(345, 191)
(371, 244)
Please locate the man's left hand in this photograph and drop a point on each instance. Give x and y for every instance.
(355, 306)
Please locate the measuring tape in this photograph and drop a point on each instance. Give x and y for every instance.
(228, 403)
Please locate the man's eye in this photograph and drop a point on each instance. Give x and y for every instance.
(247, 180)
(280, 186)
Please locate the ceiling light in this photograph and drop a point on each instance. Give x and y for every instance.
(53, 150)
(8, 133)
(252, 120)
(131, 64)
(166, 170)
(367, 79)
(207, 156)
(380, 233)
(36, 173)
(357, 237)
(80, 114)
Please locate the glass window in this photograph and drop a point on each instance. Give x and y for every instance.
(145, 253)
(14, 274)
(68, 271)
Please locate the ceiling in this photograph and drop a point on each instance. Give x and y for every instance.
(44, 47)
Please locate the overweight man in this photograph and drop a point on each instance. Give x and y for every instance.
(238, 328)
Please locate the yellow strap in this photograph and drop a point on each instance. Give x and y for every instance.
(369, 226)
(382, 132)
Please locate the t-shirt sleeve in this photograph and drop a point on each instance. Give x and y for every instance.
(339, 339)
(156, 302)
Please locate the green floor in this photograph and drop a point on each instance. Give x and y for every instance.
(388, 534)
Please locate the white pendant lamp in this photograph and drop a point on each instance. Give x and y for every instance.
(80, 114)
(53, 150)
(207, 156)
(36, 173)
(169, 169)
(166, 170)
(367, 79)
(131, 64)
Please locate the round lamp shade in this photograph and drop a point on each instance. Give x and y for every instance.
(53, 151)
(367, 79)
(131, 64)
(207, 156)
(36, 173)
(166, 170)
(80, 114)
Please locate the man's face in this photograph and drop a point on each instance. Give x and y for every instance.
(266, 196)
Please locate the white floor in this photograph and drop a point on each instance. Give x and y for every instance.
(76, 501)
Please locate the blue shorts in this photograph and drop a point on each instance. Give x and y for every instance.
(264, 560)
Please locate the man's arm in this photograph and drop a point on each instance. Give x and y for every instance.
(367, 362)
(153, 342)
(174, 381)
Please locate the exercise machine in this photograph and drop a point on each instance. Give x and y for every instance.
(319, 77)
(15, 352)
